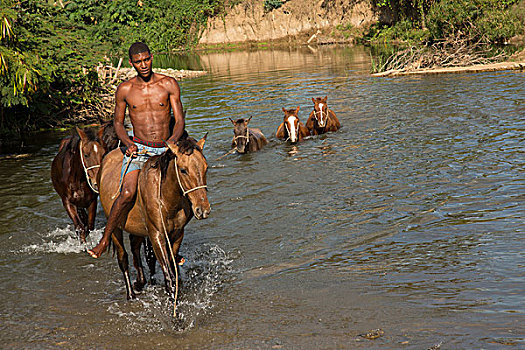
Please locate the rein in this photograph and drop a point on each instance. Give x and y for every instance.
(171, 253)
(89, 181)
(184, 192)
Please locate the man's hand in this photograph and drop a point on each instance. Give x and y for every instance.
(132, 150)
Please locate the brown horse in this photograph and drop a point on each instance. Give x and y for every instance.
(171, 190)
(291, 128)
(74, 174)
(322, 119)
(246, 139)
(108, 136)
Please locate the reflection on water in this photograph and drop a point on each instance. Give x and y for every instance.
(408, 219)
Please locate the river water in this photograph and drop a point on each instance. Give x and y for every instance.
(409, 219)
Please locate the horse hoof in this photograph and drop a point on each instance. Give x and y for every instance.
(138, 287)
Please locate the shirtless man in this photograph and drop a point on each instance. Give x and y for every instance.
(149, 98)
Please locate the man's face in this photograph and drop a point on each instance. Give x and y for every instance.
(142, 63)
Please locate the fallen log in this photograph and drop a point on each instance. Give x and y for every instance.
(466, 69)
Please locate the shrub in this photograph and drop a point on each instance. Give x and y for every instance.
(270, 5)
(488, 20)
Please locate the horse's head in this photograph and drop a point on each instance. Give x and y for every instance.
(190, 169)
(108, 136)
(291, 123)
(91, 153)
(320, 110)
(241, 135)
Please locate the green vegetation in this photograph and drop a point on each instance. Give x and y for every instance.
(433, 20)
(49, 51)
(46, 66)
(272, 4)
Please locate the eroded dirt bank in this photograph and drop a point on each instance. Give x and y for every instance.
(300, 19)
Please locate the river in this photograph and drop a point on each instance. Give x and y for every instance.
(409, 219)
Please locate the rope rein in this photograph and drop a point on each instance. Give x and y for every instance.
(89, 181)
(171, 253)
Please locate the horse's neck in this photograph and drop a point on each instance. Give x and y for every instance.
(170, 190)
(76, 162)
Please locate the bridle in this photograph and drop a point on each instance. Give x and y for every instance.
(288, 130)
(89, 181)
(321, 112)
(185, 192)
(247, 137)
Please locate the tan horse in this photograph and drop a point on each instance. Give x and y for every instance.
(291, 128)
(171, 190)
(322, 119)
(246, 139)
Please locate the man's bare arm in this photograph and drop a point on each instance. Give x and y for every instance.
(176, 106)
(118, 121)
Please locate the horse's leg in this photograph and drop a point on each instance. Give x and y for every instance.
(179, 259)
(72, 211)
(122, 258)
(158, 241)
(150, 259)
(136, 244)
(92, 213)
(84, 219)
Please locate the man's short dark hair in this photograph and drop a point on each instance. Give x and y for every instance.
(138, 47)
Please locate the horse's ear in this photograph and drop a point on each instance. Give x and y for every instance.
(325, 98)
(232, 121)
(172, 146)
(200, 143)
(248, 120)
(81, 133)
(313, 100)
(297, 109)
(284, 110)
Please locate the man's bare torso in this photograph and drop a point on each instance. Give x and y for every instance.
(149, 107)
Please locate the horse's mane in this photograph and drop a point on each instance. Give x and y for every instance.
(108, 137)
(186, 146)
(74, 142)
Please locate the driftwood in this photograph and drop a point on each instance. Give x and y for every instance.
(468, 69)
(446, 56)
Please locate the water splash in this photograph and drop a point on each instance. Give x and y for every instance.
(63, 241)
(205, 271)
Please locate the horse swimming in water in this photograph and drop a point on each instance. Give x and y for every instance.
(322, 119)
(74, 172)
(246, 139)
(292, 128)
(171, 190)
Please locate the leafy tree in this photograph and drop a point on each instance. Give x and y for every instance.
(47, 64)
